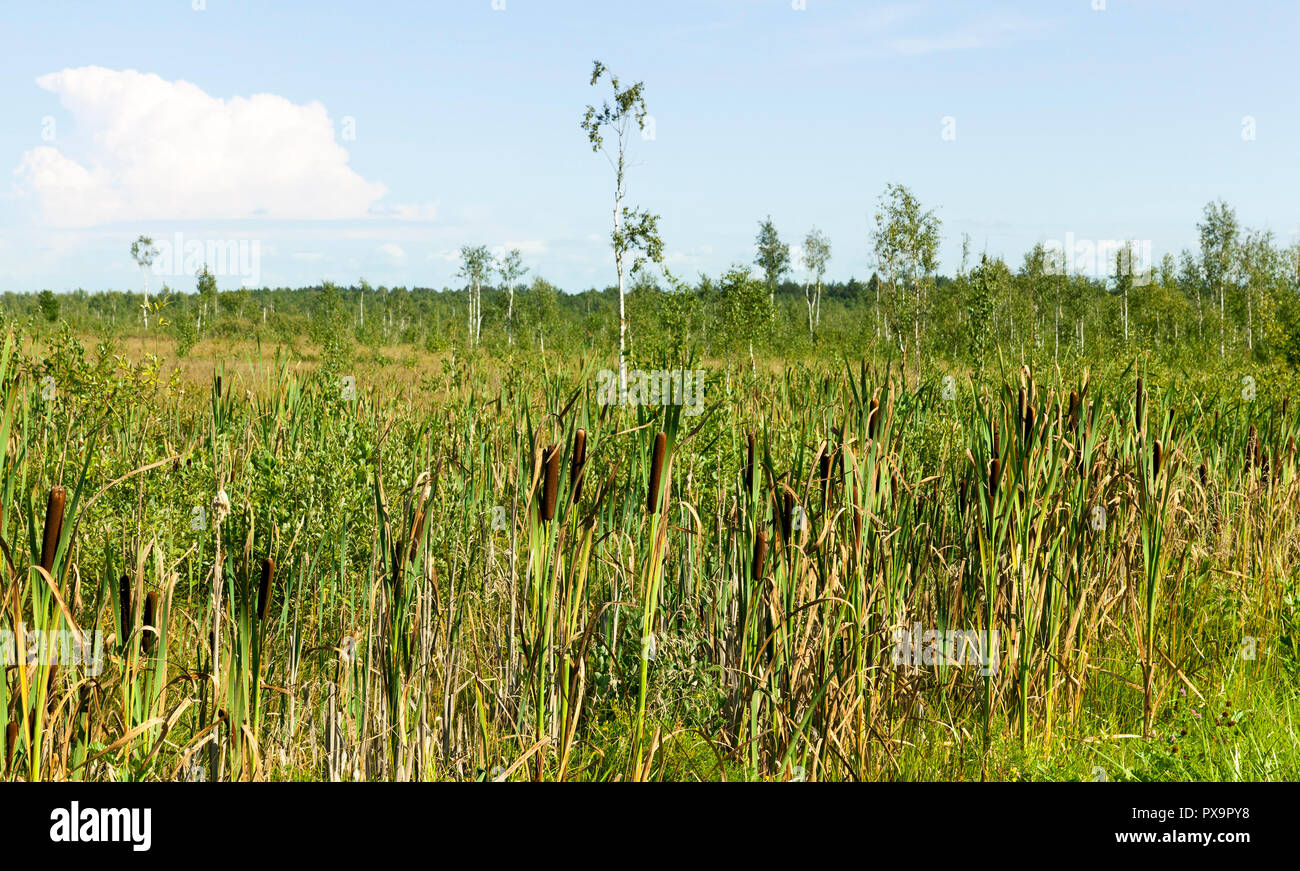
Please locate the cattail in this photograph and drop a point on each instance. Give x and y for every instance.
(53, 527)
(550, 482)
(11, 742)
(824, 470)
(961, 497)
(1073, 414)
(264, 590)
(1252, 448)
(749, 463)
(147, 623)
(760, 557)
(1204, 476)
(396, 576)
(1155, 459)
(995, 472)
(873, 418)
(997, 441)
(1020, 407)
(656, 472)
(124, 589)
(218, 387)
(1031, 417)
(787, 516)
(577, 462)
(1139, 405)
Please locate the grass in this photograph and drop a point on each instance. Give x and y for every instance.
(293, 582)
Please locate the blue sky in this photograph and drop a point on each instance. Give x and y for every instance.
(372, 140)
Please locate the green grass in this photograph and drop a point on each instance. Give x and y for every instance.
(427, 622)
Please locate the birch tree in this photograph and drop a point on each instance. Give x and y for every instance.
(476, 261)
(773, 258)
(143, 252)
(635, 238)
(906, 242)
(511, 269)
(1219, 231)
(816, 254)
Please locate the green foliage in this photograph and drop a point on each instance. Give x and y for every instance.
(49, 304)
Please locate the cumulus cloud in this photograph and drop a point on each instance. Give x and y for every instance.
(392, 252)
(158, 149)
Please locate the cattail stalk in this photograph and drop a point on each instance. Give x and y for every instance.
(264, 589)
(147, 623)
(577, 465)
(550, 481)
(656, 472)
(749, 463)
(756, 566)
(124, 589)
(11, 744)
(53, 527)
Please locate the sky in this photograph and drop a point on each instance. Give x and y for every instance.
(294, 142)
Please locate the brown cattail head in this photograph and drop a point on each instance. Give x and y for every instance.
(11, 742)
(1156, 457)
(749, 463)
(550, 481)
(1252, 448)
(995, 473)
(656, 473)
(1139, 405)
(787, 516)
(961, 497)
(1073, 413)
(124, 590)
(53, 527)
(824, 468)
(760, 557)
(148, 623)
(577, 464)
(873, 418)
(997, 441)
(1031, 417)
(264, 589)
(1204, 476)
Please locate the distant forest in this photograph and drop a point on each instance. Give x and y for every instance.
(1235, 299)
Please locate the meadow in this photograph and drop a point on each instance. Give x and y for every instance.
(461, 565)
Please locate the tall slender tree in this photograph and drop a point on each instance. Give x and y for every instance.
(906, 242)
(510, 267)
(773, 257)
(143, 252)
(1219, 231)
(476, 261)
(635, 238)
(816, 254)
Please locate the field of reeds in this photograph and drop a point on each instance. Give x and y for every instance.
(488, 575)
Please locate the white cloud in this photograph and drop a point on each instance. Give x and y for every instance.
(155, 149)
(392, 252)
(528, 248)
